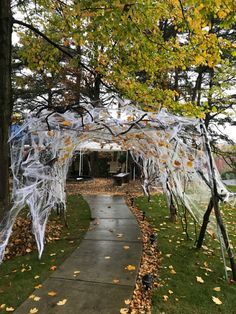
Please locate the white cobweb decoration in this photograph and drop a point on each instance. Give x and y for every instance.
(170, 150)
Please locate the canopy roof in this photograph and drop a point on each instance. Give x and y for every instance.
(95, 146)
(171, 150)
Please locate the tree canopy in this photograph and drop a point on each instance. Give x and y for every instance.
(175, 54)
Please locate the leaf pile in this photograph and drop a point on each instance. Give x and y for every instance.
(151, 259)
(22, 240)
(104, 186)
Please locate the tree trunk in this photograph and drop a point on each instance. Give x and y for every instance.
(5, 102)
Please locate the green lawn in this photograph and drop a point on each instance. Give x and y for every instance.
(20, 275)
(177, 289)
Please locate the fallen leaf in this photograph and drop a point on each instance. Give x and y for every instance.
(170, 292)
(2, 306)
(36, 277)
(168, 255)
(52, 254)
(216, 289)
(216, 300)
(34, 310)
(173, 272)
(127, 302)
(130, 267)
(126, 247)
(76, 272)
(107, 257)
(36, 299)
(165, 298)
(228, 268)
(119, 235)
(10, 309)
(116, 281)
(53, 268)
(38, 286)
(32, 296)
(52, 293)
(124, 310)
(199, 279)
(62, 302)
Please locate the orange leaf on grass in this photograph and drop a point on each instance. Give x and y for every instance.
(38, 286)
(199, 279)
(10, 309)
(53, 268)
(216, 300)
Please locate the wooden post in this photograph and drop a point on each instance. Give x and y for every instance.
(204, 224)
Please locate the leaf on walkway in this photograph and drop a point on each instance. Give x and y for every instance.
(124, 310)
(119, 235)
(34, 310)
(52, 293)
(199, 279)
(115, 281)
(130, 267)
(127, 302)
(126, 247)
(216, 289)
(216, 300)
(107, 257)
(36, 299)
(62, 302)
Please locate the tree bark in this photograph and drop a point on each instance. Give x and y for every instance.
(5, 102)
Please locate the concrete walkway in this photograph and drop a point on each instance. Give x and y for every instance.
(94, 279)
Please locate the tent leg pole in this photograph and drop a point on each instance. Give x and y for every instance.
(204, 224)
(215, 201)
(225, 236)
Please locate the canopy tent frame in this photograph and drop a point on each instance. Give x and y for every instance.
(174, 146)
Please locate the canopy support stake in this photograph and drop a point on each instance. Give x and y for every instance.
(215, 200)
(204, 224)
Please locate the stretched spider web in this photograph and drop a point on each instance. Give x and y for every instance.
(171, 151)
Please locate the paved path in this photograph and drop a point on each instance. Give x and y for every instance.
(112, 242)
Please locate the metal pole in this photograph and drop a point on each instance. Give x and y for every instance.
(80, 158)
(126, 162)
